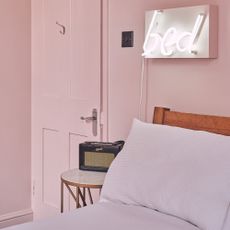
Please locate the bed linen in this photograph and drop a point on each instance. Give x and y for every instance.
(181, 172)
(227, 220)
(106, 215)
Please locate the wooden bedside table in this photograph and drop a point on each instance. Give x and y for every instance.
(81, 181)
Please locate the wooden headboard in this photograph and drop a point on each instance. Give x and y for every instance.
(214, 124)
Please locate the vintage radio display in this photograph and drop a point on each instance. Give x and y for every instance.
(102, 159)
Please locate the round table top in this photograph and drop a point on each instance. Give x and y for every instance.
(83, 178)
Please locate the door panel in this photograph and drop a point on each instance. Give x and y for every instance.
(65, 86)
(74, 141)
(86, 33)
(56, 48)
(50, 170)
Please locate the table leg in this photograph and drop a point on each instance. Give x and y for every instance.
(62, 196)
(84, 197)
(77, 197)
(84, 192)
(90, 196)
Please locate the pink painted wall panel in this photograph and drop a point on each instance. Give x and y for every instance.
(200, 86)
(15, 106)
(124, 64)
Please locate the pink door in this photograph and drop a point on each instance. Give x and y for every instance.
(66, 69)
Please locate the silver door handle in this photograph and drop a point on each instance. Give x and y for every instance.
(93, 118)
(88, 118)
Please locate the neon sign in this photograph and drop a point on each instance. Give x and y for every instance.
(184, 39)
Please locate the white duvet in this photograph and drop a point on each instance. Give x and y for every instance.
(109, 216)
(190, 180)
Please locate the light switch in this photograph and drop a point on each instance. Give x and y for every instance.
(127, 39)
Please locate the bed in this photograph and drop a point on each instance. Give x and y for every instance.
(173, 175)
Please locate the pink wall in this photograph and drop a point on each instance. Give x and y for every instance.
(15, 106)
(187, 85)
(124, 64)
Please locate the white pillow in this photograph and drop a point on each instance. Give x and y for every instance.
(177, 171)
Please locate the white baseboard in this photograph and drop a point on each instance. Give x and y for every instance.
(18, 217)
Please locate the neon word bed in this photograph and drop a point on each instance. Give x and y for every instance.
(186, 32)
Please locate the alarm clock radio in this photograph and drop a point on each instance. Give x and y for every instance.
(97, 156)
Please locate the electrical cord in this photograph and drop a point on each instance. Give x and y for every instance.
(141, 86)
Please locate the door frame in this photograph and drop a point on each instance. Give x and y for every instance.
(104, 70)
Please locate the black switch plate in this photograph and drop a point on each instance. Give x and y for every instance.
(127, 39)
